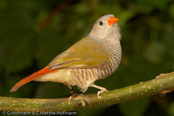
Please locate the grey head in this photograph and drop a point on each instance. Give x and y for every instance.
(106, 28)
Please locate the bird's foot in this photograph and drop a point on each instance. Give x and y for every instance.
(102, 89)
(99, 92)
(73, 95)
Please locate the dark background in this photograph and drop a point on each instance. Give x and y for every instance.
(33, 32)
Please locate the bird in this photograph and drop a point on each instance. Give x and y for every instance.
(94, 57)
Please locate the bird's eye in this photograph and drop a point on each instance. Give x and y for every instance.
(101, 23)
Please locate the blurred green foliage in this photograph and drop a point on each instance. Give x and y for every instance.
(33, 32)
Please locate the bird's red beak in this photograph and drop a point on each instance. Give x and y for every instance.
(112, 20)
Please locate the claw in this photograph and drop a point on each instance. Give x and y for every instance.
(99, 92)
(72, 96)
(102, 89)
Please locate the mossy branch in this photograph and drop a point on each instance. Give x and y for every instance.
(163, 84)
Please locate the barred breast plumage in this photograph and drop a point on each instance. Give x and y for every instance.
(84, 77)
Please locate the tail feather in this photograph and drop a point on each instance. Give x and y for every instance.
(32, 77)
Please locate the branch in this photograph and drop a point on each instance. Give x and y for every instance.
(163, 84)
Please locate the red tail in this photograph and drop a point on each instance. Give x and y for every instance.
(32, 77)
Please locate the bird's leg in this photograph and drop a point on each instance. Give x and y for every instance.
(72, 92)
(102, 89)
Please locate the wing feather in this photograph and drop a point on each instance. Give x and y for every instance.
(86, 53)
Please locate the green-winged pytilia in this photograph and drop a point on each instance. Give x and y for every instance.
(94, 57)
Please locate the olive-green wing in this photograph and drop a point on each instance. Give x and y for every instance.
(86, 53)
